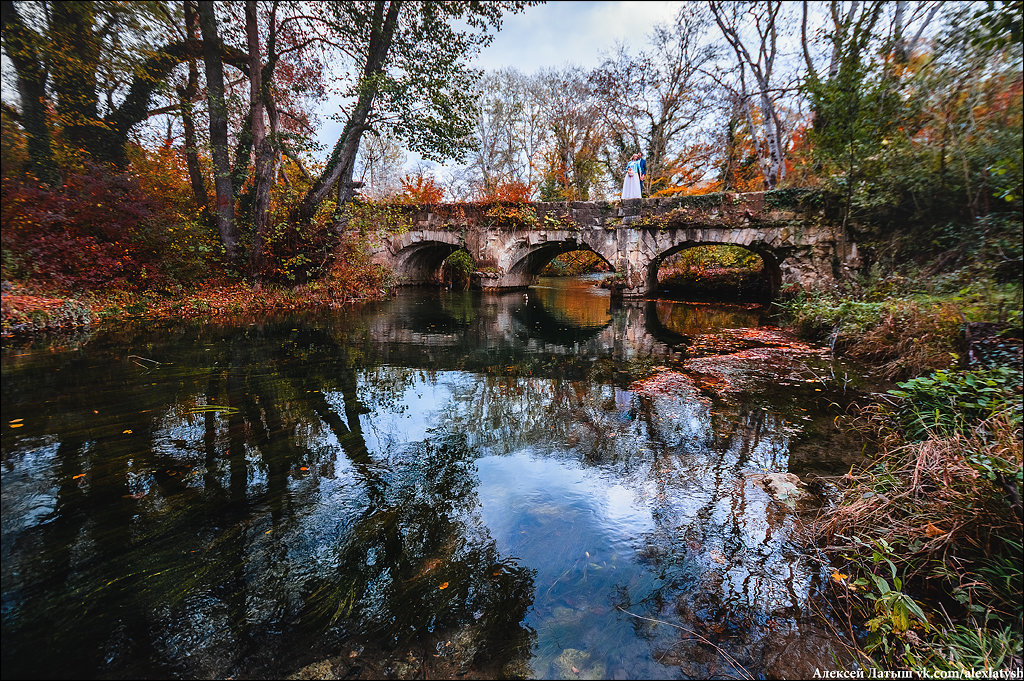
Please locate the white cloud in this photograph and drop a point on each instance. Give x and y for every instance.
(560, 33)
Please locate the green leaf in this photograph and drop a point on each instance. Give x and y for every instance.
(882, 585)
(900, 617)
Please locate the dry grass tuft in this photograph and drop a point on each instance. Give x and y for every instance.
(907, 339)
(933, 494)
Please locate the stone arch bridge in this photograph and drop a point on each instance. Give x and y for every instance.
(510, 243)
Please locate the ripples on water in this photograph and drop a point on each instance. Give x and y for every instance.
(458, 484)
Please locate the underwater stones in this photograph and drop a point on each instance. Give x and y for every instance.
(576, 664)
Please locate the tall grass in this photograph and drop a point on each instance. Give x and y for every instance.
(927, 538)
(904, 325)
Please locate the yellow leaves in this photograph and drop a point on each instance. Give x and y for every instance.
(76, 477)
(127, 431)
(443, 586)
(843, 580)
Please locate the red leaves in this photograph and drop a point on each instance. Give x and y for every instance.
(95, 231)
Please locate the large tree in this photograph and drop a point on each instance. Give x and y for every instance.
(97, 65)
(753, 31)
(571, 167)
(654, 99)
(411, 78)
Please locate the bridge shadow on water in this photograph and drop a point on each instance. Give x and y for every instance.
(441, 484)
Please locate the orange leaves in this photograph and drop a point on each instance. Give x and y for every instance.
(511, 191)
(443, 586)
(420, 189)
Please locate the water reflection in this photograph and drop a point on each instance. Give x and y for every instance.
(443, 482)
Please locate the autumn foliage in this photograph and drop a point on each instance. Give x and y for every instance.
(507, 192)
(98, 229)
(420, 189)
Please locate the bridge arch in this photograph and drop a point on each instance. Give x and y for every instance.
(524, 261)
(419, 262)
(772, 263)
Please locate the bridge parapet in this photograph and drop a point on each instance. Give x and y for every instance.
(719, 209)
(511, 242)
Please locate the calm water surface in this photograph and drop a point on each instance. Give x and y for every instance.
(547, 484)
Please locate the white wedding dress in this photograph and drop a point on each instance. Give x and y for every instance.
(631, 183)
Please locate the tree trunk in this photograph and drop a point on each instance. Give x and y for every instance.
(73, 32)
(218, 129)
(341, 164)
(261, 145)
(187, 94)
(23, 47)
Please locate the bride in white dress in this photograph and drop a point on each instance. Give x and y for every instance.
(631, 183)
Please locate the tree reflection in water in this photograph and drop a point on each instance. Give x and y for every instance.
(285, 491)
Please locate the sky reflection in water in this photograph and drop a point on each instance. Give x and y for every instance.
(465, 481)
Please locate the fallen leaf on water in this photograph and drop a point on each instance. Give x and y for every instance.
(303, 468)
(575, 671)
(269, 531)
(126, 432)
(17, 420)
(17, 425)
(443, 586)
(76, 477)
(94, 411)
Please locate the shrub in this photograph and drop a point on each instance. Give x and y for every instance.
(508, 192)
(98, 229)
(945, 402)
(419, 189)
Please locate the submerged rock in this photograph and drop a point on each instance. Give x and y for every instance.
(786, 488)
(576, 664)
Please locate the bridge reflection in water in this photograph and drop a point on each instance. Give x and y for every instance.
(437, 484)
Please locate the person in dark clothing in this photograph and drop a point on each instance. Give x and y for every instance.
(643, 171)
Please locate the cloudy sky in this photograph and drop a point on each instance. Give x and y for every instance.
(556, 34)
(559, 33)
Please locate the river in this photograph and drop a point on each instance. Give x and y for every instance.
(545, 484)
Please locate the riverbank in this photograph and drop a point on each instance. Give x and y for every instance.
(26, 310)
(926, 536)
